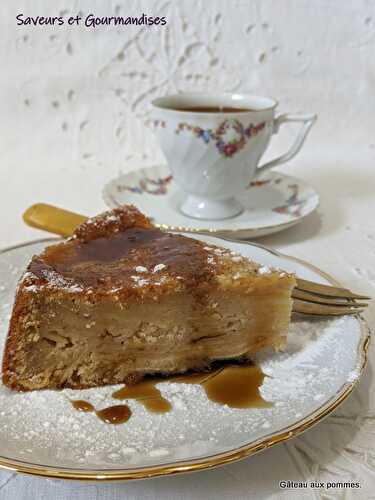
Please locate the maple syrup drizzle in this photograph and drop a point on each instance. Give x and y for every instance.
(236, 386)
(118, 414)
(147, 394)
(83, 406)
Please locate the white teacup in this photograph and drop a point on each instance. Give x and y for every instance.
(214, 153)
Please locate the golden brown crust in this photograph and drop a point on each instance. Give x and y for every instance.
(110, 222)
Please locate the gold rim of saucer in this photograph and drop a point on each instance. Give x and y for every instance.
(213, 460)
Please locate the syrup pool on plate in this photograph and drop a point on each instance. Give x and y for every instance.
(236, 386)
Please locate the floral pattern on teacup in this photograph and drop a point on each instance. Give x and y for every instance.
(229, 137)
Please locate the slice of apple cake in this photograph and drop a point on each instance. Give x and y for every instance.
(121, 299)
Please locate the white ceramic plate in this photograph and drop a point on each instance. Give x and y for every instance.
(272, 204)
(40, 432)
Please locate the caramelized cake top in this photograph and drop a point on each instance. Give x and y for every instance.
(120, 252)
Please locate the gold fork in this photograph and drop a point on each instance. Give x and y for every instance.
(308, 297)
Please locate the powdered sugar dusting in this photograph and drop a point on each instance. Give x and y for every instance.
(239, 258)
(106, 217)
(141, 269)
(264, 270)
(53, 280)
(311, 362)
(159, 267)
(140, 281)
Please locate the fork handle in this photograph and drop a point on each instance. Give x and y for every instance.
(52, 219)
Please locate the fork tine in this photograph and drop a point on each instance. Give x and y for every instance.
(330, 291)
(330, 301)
(321, 309)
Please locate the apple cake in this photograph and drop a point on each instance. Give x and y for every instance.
(121, 299)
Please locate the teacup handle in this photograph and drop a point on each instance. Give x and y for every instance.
(307, 121)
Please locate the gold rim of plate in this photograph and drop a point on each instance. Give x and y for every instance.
(180, 467)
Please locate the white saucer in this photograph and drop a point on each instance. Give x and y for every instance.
(272, 204)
